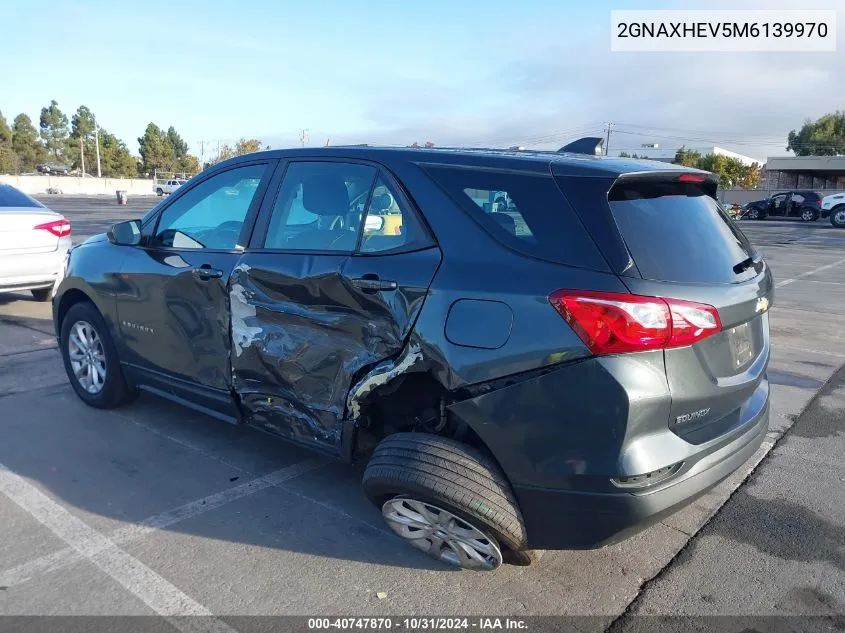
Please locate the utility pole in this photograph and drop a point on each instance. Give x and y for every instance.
(97, 142)
(202, 155)
(303, 137)
(607, 142)
(82, 155)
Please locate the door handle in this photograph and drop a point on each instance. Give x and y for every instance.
(206, 272)
(372, 283)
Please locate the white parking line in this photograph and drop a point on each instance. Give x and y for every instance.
(70, 555)
(158, 594)
(786, 282)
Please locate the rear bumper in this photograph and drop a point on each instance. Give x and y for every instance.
(566, 519)
(30, 271)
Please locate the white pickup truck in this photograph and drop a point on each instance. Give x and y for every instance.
(167, 186)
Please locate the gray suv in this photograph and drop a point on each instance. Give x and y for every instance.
(529, 350)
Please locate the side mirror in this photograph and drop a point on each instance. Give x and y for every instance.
(125, 233)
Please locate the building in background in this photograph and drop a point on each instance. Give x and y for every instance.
(668, 155)
(820, 173)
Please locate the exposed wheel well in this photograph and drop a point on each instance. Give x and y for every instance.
(412, 402)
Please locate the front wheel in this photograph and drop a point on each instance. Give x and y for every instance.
(159, 192)
(754, 214)
(448, 500)
(837, 217)
(91, 360)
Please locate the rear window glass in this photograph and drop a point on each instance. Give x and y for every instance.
(11, 197)
(525, 211)
(675, 232)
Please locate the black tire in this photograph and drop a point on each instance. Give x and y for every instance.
(160, 191)
(754, 214)
(837, 217)
(452, 476)
(42, 294)
(115, 392)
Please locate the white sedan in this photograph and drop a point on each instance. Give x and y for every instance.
(34, 242)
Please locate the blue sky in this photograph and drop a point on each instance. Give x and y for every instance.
(536, 73)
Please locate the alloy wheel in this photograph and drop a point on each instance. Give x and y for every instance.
(87, 357)
(441, 534)
(839, 217)
(808, 215)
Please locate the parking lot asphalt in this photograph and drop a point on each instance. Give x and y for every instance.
(155, 509)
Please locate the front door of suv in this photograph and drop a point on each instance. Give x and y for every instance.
(173, 310)
(330, 285)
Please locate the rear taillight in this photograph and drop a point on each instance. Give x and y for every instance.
(615, 323)
(59, 228)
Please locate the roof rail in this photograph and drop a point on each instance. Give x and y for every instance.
(591, 145)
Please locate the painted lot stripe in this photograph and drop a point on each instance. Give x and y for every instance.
(158, 594)
(786, 282)
(70, 555)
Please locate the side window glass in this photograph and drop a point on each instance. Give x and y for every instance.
(211, 214)
(319, 207)
(501, 208)
(389, 224)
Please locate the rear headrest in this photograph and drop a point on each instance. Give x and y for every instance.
(382, 200)
(505, 221)
(325, 195)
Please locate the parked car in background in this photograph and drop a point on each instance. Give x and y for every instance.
(34, 242)
(168, 186)
(556, 370)
(833, 206)
(55, 169)
(797, 205)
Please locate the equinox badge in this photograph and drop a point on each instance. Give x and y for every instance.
(689, 417)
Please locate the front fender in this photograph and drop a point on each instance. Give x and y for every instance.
(92, 272)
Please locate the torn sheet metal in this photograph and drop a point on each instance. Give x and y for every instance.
(409, 360)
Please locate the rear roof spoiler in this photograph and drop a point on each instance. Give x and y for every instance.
(591, 145)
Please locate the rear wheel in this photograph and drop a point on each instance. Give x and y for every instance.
(91, 360)
(808, 214)
(837, 217)
(42, 294)
(448, 500)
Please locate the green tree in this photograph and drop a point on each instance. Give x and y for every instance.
(180, 147)
(8, 159)
(732, 172)
(54, 131)
(115, 159)
(687, 157)
(823, 137)
(157, 154)
(25, 143)
(82, 137)
(243, 146)
(5, 130)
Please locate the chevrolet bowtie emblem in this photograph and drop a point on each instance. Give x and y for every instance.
(762, 304)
